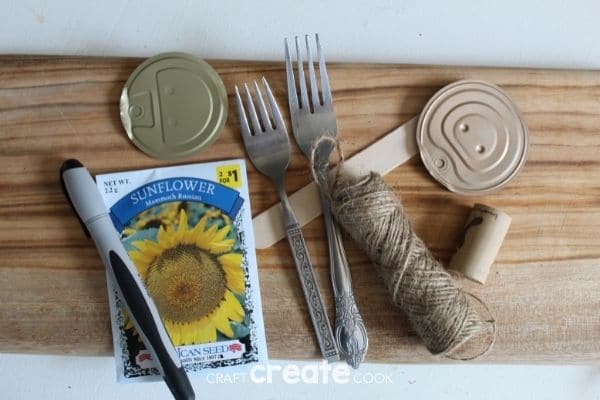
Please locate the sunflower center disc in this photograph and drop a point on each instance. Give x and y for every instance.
(186, 283)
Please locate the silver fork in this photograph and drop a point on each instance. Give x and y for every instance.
(310, 121)
(268, 147)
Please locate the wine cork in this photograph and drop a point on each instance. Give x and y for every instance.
(480, 242)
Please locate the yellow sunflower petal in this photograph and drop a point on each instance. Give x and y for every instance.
(187, 333)
(201, 225)
(201, 331)
(221, 233)
(173, 330)
(202, 241)
(235, 307)
(182, 227)
(183, 222)
(231, 260)
(221, 247)
(234, 274)
(235, 283)
(141, 265)
(190, 236)
(221, 322)
(198, 231)
(211, 232)
(170, 230)
(162, 234)
(148, 247)
(233, 271)
(138, 256)
(207, 333)
(204, 238)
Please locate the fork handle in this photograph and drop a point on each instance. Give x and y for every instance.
(316, 308)
(350, 331)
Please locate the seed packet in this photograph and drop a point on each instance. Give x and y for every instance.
(188, 230)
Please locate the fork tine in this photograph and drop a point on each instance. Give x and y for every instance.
(314, 90)
(275, 112)
(301, 80)
(264, 115)
(327, 101)
(252, 111)
(291, 84)
(245, 128)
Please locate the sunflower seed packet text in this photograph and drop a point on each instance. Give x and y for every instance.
(188, 230)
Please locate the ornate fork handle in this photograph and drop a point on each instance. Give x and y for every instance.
(350, 331)
(316, 308)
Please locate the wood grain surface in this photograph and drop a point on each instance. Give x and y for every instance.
(544, 288)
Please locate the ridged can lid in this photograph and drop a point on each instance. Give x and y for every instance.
(173, 105)
(472, 138)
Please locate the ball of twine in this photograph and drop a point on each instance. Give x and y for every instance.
(439, 311)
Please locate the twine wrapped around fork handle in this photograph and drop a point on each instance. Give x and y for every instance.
(350, 331)
(439, 311)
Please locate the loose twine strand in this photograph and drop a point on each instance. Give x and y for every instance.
(439, 311)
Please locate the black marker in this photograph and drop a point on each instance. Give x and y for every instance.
(83, 194)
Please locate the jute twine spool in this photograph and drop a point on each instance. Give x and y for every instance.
(439, 311)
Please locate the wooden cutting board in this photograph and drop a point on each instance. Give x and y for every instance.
(544, 289)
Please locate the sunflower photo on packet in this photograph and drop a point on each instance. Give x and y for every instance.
(188, 231)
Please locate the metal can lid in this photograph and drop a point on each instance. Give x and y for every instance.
(472, 138)
(173, 105)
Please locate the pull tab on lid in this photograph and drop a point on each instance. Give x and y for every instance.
(472, 138)
(173, 105)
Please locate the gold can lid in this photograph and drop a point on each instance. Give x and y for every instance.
(173, 105)
(472, 138)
